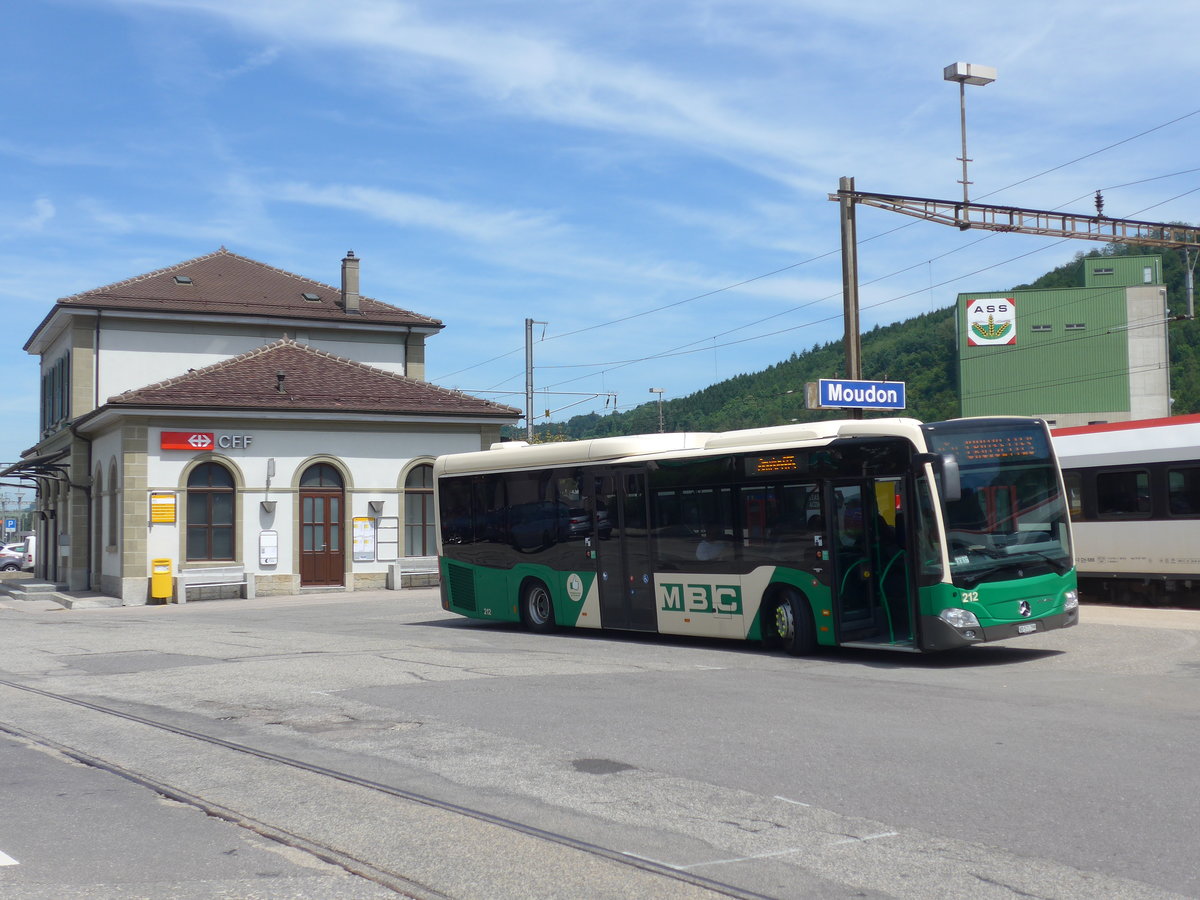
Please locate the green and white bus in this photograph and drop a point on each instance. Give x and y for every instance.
(881, 533)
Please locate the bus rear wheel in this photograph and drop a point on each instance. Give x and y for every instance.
(788, 624)
(537, 609)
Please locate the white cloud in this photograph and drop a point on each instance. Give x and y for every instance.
(43, 212)
(257, 61)
(476, 224)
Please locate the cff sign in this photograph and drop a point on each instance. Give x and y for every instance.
(836, 393)
(204, 440)
(188, 440)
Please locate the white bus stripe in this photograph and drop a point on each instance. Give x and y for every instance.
(6, 860)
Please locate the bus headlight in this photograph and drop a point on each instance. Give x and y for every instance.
(958, 618)
(1070, 601)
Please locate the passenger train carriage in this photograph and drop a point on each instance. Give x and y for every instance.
(1134, 495)
(882, 533)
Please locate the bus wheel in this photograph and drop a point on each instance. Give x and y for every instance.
(788, 623)
(537, 610)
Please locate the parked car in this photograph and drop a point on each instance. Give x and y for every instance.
(12, 557)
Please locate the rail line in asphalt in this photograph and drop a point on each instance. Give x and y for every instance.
(395, 881)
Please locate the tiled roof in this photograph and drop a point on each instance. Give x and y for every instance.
(313, 381)
(225, 283)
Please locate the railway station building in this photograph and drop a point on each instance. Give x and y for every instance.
(1073, 356)
(221, 421)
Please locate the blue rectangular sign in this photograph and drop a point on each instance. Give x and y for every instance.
(841, 394)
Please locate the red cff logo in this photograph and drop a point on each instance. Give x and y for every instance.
(187, 440)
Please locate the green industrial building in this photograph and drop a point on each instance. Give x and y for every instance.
(1096, 353)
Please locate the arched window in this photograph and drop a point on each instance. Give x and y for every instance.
(418, 512)
(321, 475)
(210, 498)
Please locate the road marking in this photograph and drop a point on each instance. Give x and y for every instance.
(650, 859)
(721, 862)
(789, 800)
(712, 862)
(869, 837)
(6, 860)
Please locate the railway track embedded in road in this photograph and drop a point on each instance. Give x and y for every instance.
(395, 881)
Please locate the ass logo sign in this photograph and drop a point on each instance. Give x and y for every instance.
(991, 322)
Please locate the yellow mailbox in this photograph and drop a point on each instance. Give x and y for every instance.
(160, 580)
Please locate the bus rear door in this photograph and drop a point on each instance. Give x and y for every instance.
(623, 557)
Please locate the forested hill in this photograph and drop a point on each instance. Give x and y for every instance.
(919, 352)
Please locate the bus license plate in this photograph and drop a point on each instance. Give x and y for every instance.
(1027, 628)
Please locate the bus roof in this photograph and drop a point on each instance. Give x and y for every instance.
(516, 455)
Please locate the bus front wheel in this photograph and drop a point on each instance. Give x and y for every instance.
(788, 624)
(537, 609)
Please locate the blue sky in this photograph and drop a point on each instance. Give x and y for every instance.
(576, 162)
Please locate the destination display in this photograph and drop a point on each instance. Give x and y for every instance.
(984, 446)
(769, 465)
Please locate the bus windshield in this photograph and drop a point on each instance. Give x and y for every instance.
(1011, 520)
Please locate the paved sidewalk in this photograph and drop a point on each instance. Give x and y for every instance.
(91, 601)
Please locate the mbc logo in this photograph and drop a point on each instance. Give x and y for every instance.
(701, 598)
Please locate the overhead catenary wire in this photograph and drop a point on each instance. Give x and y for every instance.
(682, 349)
(607, 366)
(827, 298)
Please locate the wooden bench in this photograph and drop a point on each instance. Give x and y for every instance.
(214, 576)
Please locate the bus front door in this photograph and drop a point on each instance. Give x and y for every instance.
(871, 583)
(623, 551)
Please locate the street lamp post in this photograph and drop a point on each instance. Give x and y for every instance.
(659, 391)
(964, 74)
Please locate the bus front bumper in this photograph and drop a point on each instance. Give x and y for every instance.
(939, 635)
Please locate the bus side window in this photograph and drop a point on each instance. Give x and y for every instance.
(491, 515)
(787, 519)
(457, 522)
(690, 525)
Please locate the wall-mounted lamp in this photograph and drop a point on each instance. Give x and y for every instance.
(268, 505)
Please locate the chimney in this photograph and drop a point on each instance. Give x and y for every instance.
(350, 284)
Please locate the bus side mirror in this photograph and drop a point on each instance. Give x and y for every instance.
(951, 483)
(945, 465)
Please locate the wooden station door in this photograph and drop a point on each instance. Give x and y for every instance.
(322, 526)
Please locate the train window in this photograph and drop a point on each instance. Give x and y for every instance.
(1074, 482)
(1123, 494)
(1183, 491)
